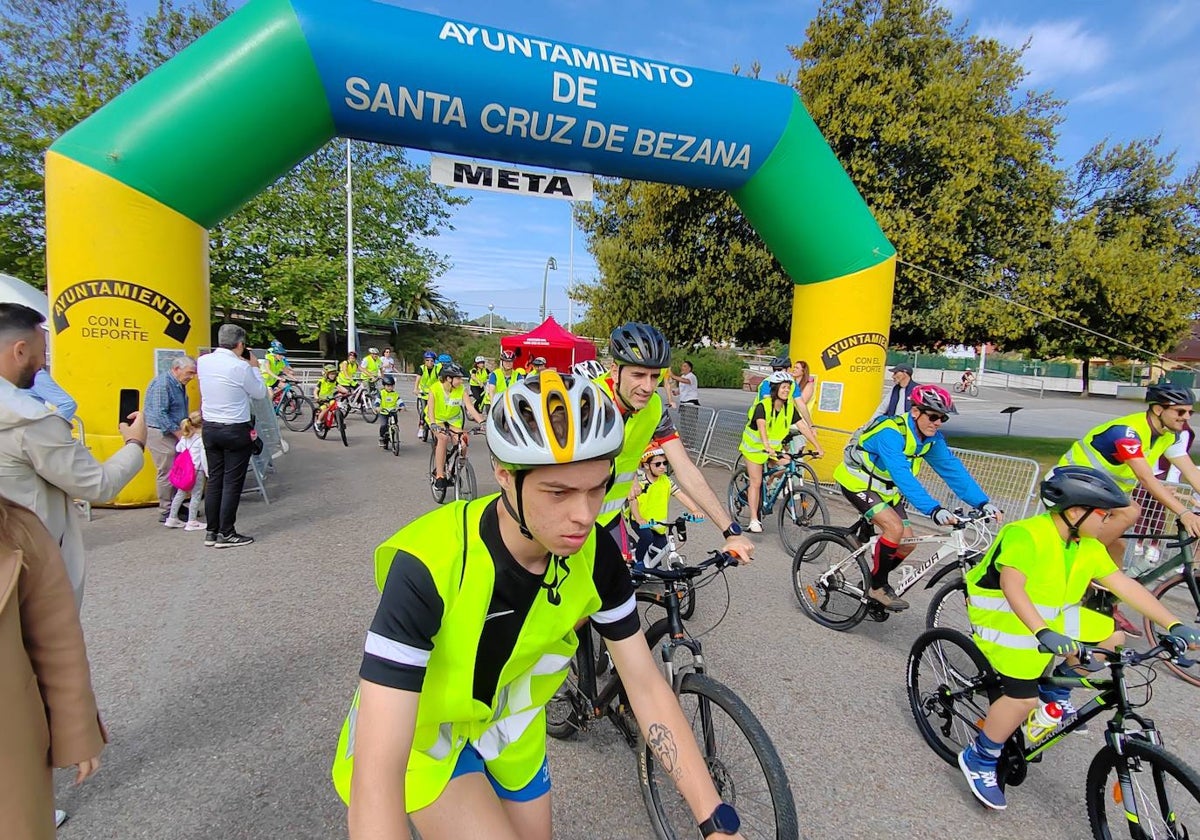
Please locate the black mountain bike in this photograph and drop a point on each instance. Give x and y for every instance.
(393, 432)
(1134, 787)
(741, 759)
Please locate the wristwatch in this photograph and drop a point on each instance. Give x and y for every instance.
(724, 820)
(733, 530)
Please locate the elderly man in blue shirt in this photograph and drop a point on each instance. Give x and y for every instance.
(165, 407)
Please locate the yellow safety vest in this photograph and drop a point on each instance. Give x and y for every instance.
(479, 377)
(639, 431)
(372, 366)
(510, 732)
(1083, 454)
(859, 472)
(347, 374)
(654, 502)
(778, 423)
(448, 408)
(388, 400)
(427, 378)
(325, 388)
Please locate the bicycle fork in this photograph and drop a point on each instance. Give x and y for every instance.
(1115, 736)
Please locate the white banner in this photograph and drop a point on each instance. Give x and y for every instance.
(568, 186)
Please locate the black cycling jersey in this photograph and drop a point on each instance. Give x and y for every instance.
(410, 611)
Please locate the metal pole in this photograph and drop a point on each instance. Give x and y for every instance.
(491, 308)
(551, 264)
(571, 270)
(351, 327)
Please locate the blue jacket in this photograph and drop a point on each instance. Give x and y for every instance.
(887, 447)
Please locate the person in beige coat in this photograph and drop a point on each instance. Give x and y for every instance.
(50, 718)
(41, 465)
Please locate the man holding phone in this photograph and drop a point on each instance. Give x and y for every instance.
(165, 407)
(41, 465)
(229, 379)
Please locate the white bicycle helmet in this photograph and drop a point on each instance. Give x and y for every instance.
(591, 369)
(521, 435)
(480, 359)
(779, 377)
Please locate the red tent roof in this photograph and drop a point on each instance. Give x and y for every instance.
(561, 348)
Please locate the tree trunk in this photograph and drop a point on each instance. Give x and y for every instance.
(1087, 377)
(323, 344)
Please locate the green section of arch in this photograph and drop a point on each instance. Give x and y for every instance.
(213, 127)
(807, 210)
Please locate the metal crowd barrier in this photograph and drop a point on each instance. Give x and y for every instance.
(724, 438)
(694, 423)
(1155, 519)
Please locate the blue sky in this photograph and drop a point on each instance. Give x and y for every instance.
(1126, 70)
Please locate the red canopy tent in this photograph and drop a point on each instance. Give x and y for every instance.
(561, 348)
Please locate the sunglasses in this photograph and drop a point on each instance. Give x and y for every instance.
(1103, 514)
(658, 463)
(935, 416)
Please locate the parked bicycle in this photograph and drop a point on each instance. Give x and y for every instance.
(831, 571)
(744, 764)
(335, 418)
(793, 486)
(1133, 785)
(293, 407)
(459, 473)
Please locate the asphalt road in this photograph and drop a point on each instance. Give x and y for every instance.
(224, 677)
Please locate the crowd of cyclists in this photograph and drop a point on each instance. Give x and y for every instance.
(587, 462)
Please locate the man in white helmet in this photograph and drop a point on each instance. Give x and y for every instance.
(474, 634)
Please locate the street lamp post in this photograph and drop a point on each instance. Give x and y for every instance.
(491, 309)
(551, 265)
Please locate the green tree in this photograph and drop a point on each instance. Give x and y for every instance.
(1123, 260)
(956, 166)
(284, 253)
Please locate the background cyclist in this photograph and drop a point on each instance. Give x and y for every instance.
(771, 418)
(389, 404)
(878, 474)
(427, 380)
(448, 406)
(649, 506)
(500, 379)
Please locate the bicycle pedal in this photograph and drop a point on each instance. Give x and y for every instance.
(877, 612)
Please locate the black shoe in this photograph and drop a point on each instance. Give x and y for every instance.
(441, 483)
(210, 538)
(233, 540)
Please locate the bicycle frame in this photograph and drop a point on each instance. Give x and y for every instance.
(789, 475)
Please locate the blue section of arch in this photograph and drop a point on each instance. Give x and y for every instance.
(412, 79)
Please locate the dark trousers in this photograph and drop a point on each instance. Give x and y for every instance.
(228, 448)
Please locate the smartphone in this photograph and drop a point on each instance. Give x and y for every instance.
(129, 403)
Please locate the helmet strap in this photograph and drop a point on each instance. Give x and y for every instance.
(621, 397)
(1155, 421)
(519, 513)
(1073, 527)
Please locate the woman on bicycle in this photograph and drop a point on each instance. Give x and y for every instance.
(475, 631)
(348, 372)
(770, 420)
(649, 503)
(448, 406)
(1025, 597)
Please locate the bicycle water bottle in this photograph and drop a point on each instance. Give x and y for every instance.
(1042, 721)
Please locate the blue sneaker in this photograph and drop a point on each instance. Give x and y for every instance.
(982, 779)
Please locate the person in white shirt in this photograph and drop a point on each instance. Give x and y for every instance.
(229, 379)
(387, 362)
(689, 388)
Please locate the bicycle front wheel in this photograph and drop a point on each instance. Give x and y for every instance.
(739, 506)
(798, 512)
(439, 493)
(1175, 596)
(341, 424)
(394, 436)
(949, 690)
(297, 412)
(369, 412)
(741, 760)
(321, 429)
(465, 487)
(948, 608)
(830, 577)
(1160, 799)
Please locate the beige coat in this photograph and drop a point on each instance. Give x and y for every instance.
(49, 711)
(43, 468)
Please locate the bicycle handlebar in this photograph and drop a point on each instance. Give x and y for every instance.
(719, 559)
(1168, 647)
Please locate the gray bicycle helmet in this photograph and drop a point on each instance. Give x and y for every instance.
(1168, 394)
(640, 345)
(781, 363)
(449, 371)
(1082, 487)
(934, 398)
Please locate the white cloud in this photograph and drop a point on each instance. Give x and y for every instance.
(1169, 25)
(1056, 48)
(1107, 92)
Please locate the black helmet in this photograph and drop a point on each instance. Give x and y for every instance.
(388, 379)
(640, 345)
(451, 370)
(781, 363)
(1082, 487)
(1168, 394)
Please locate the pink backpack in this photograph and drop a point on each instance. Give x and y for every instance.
(183, 471)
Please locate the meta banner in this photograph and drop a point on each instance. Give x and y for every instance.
(415, 79)
(569, 186)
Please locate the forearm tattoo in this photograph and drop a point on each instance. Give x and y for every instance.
(662, 743)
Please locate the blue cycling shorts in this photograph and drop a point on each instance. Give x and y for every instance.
(470, 761)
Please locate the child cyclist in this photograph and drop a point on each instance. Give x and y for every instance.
(647, 511)
(1025, 597)
(389, 404)
(326, 389)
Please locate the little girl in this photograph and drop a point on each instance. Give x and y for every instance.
(190, 441)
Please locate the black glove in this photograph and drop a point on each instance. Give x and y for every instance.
(1057, 643)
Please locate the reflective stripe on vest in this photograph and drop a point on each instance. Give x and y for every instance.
(864, 472)
(639, 431)
(1083, 454)
(448, 716)
(778, 423)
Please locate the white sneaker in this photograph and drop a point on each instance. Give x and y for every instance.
(60, 817)
(173, 522)
(755, 527)
(194, 526)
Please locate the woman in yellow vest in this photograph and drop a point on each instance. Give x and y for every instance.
(448, 406)
(1025, 597)
(348, 373)
(650, 503)
(475, 629)
(770, 420)
(477, 381)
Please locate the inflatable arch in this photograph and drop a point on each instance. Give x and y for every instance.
(132, 191)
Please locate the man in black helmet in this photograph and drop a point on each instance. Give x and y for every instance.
(640, 353)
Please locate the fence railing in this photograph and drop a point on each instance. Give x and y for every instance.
(1154, 519)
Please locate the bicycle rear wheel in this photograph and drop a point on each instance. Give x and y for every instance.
(297, 412)
(948, 608)
(465, 487)
(741, 760)
(798, 512)
(341, 424)
(1161, 798)
(1175, 596)
(369, 411)
(739, 507)
(831, 581)
(949, 690)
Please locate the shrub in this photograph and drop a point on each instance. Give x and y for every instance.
(714, 368)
